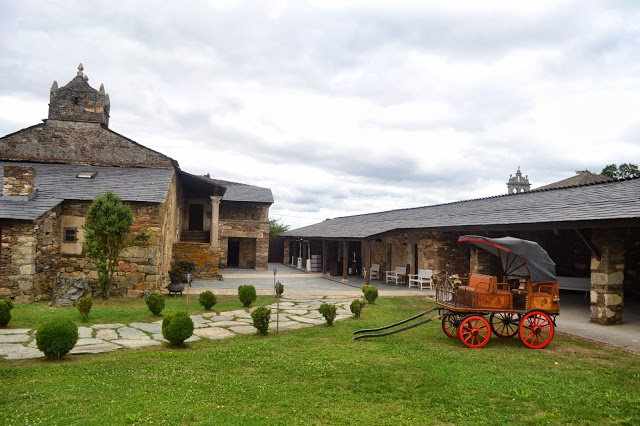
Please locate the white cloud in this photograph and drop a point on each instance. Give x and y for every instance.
(345, 107)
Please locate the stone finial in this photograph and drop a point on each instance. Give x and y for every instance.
(54, 87)
(101, 88)
(107, 102)
(80, 69)
(86, 78)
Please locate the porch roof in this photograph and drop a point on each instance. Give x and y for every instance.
(618, 200)
(58, 182)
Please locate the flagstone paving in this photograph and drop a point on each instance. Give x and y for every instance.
(298, 312)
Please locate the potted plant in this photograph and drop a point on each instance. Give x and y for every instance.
(187, 268)
(175, 276)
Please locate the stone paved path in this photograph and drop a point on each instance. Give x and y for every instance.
(298, 312)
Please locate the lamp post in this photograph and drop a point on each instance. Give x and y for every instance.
(277, 307)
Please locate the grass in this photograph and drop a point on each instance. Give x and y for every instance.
(120, 310)
(320, 375)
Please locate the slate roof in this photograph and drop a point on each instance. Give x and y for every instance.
(582, 178)
(242, 192)
(605, 201)
(58, 182)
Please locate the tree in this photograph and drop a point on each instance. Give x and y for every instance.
(107, 232)
(276, 227)
(625, 170)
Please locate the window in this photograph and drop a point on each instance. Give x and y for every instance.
(70, 235)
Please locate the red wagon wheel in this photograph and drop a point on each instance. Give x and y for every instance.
(450, 324)
(504, 325)
(474, 331)
(536, 329)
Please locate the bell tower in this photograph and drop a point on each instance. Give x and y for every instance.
(77, 101)
(518, 183)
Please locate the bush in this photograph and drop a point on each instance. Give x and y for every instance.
(370, 293)
(84, 305)
(155, 302)
(279, 289)
(56, 338)
(328, 311)
(356, 307)
(261, 317)
(247, 294)
(207, 299)
(5, 312)
(177, 328)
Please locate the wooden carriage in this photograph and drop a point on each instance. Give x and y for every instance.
(525, 302)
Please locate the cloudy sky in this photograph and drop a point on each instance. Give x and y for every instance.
(345, 107)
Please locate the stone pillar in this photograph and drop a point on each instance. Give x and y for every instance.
(286, 255)
(345, 261)
(215, 220)
(607, 277)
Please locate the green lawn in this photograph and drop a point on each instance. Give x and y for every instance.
(320, 375)
(120, 310)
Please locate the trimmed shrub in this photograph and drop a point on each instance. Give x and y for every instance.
(155, 302)
(247, 294)
(56, 338)
(328, 311)
(207, 299)
(279, 289)
(5, 312)
(370, 293)
(84, 305)
(177, 328)
(356, 307)
(261, 317)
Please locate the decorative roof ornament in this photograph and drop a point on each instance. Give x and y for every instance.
(517, 183)
(101, 88)
(54, 87)
(80, 69)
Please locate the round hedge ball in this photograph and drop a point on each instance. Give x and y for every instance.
(177, 328)
(56, 338)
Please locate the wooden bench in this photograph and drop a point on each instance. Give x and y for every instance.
(484, 291)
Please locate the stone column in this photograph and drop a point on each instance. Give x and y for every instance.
(286, 256)
(607, 277)
(215, 219)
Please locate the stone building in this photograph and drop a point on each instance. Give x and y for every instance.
(592, 232)
(52, 171)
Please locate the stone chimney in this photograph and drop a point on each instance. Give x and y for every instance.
(19, 181)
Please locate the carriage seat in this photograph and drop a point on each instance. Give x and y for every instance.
(480, 284)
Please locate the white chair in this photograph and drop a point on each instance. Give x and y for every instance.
(422, 279)
(396, 275)
(375, 272)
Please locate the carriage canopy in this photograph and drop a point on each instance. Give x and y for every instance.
(520, 258)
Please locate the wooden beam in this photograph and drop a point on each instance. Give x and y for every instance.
(594, 251)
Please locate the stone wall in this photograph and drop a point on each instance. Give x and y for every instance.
(245, 221)
(70, 142)
(438, 251)
(170, 229)
(17, 261)
(138, 266)
(203, 255)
